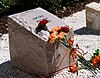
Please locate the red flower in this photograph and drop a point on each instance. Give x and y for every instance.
(42, 26)
(65, 29)
(42, 22)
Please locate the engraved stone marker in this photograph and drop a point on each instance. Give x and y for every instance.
(31, 52)
(93, 16)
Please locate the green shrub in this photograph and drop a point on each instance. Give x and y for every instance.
(3, 8)
(50, 5)
(9, 2)
(71, 2)
(14, 6)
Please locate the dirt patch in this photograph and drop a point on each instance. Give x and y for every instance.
(3, 25)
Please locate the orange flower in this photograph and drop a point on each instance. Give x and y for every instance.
(57, 32)
(57, 28)
(99, 56)
(98, 59)
(52, 40)
(73, 68)
(53, 37)
(70, 41)
(95, 60)
(61, 35)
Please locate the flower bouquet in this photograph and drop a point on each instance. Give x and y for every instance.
(59, 33)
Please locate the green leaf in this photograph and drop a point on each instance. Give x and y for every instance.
(65, 44)
(91, 59)
(97, 51)
(86, 63)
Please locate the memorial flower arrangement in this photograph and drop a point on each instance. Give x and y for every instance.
(59, 33)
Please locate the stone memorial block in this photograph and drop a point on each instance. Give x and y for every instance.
(32, 52)
(93, 16)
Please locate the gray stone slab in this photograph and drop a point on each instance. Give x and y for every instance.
(93, 16)
(31, 52)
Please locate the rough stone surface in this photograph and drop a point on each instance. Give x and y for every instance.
(29, 51)
(93, 16)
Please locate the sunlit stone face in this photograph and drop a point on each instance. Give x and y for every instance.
(93, 16)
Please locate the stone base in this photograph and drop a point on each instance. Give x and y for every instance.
(31, 52)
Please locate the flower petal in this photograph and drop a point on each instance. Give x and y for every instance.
(57, 28)
(61, 35)
(65, 29)
(42, 22)
(70, 41)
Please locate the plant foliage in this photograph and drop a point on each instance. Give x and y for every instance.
(3, 8)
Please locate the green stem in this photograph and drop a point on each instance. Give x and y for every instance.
(87, 64)
(65, 44)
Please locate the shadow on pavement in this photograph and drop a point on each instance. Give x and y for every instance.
(8, 71)
(85, 31)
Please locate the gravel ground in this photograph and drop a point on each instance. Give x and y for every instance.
(88, 40)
